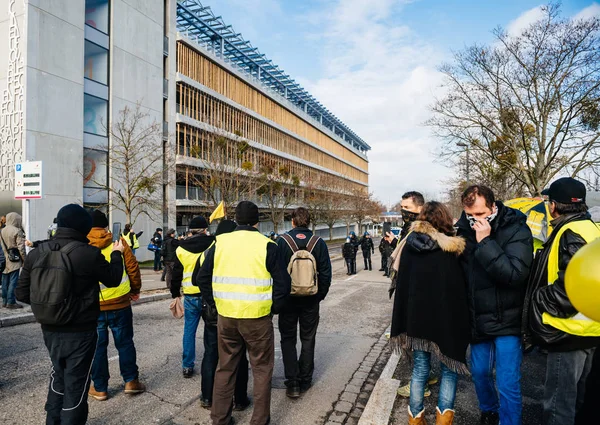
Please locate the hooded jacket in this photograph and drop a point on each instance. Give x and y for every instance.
(196, 245)
(496, 270)
(90, 268)
(168, 248)
(431, 311)
(102, 238)
(14, 237)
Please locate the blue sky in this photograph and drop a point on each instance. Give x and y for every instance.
(374, 63)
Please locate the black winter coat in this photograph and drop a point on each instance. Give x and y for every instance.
(89, 269)
(168, 248)
(496, 270)
(553, 299)
(366, 244)
(348, 251)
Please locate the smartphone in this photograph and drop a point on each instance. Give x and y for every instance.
(116, 232)
(387, 227)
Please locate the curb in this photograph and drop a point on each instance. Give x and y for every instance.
(21, 319)
(381, 403)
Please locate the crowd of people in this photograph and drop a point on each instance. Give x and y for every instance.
(472, 287)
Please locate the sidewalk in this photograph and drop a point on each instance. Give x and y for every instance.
(152, 290)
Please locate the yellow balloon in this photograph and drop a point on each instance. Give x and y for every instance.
(582, 280)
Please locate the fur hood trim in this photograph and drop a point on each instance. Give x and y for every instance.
(453, 244)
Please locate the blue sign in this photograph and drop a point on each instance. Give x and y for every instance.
(18, 167)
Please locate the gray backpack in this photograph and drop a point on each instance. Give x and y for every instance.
(302, 267)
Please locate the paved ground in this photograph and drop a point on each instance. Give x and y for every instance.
(353, 318)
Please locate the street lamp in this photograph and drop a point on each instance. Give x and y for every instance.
(464, 145)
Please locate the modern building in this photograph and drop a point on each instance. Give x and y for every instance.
(66, 74)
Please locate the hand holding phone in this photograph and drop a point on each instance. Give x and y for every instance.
(116, 232)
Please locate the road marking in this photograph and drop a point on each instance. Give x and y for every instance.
(351, 277)
(113, 358)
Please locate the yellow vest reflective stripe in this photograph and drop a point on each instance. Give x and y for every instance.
(188, 260)
(579, 324)
(242, 285)
(124, 287)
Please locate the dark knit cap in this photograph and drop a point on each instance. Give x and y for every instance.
(171, 232)
(225, 226)
(198, 222)
(74, 217)
(158, 229)
(99, 219)
(567, 191)
(246, 213)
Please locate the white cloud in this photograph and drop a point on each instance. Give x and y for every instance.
(524, 20)
(380, 79)
(591, 11)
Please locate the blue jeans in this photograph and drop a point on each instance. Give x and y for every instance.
(420, 374)
(192, 311)
(120, 323)
(9, 283)
(505, 353)
(157, 264)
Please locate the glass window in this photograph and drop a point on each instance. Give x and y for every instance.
(96, 63)
(95, 115)
(96, 14)
(95, 168)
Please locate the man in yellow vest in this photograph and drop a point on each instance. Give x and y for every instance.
(131, 238)
(554, 324)
(244, 278)
(116, 315)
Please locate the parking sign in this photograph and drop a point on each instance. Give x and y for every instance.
(28, 180)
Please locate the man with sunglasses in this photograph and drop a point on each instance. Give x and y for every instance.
(496, 261)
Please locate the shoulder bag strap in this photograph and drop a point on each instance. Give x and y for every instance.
(290, 241)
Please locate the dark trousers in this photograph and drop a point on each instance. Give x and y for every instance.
(384, 262)
(157, 265)
(168, 272)
(71, 354)
(306, 313)
(367, 258)
(564, 390)
(351, 264)
(120, 323)
(587, 414)
(258, 336)
(209, 367)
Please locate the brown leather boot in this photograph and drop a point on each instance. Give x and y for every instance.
(416, 420)
(98, 395)
(445, 418)
(134, 387)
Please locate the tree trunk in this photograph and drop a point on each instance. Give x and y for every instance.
(330, 233)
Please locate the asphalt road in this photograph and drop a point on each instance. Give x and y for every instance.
(354, 315)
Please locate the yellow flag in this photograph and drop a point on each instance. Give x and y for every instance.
(219, 212)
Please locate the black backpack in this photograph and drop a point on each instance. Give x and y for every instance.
(51, 277)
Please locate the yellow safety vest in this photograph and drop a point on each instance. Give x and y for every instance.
(136, 243)
(578, 324)
(188, 260)
(242, 285)
(124, 287)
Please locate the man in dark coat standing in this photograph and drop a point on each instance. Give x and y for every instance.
(496, 263)
(368, 248)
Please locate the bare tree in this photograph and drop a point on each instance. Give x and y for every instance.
(225, 175)
(136, 163)
(529, 103)
(277, 187)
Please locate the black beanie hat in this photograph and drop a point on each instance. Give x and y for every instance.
(225, 226)
(198, 222)
(99, 219)
(246, 213)
(74, 217)
(567, 191)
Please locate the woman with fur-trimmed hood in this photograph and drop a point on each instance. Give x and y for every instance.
(431, 312)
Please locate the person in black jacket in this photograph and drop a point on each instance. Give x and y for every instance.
(157, 240)
(72, 346)
(368, 248)
(349, 254)
(167, 250)
(302, 310)
(549, 317)
(496, 262)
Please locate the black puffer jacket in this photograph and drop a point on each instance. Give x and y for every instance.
(496, 270)
(89, 267)
(553, 299)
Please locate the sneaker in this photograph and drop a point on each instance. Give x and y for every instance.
(240, 407)
(489, 418)
(188, 372)
(433, 379)
(14, 306)
(134, 387)
(98, 395)
(405, 391)
(205, 403)
(293, 391)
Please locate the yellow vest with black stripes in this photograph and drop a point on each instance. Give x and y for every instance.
(189, 260)
(578, 324)
(124, 287)
(242, 285)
